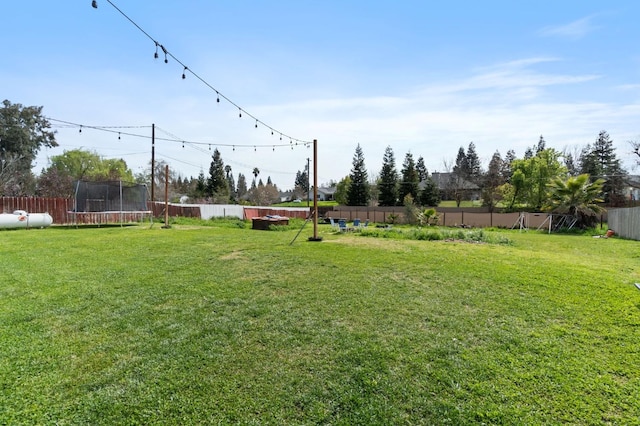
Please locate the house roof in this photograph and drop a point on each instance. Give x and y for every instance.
(327, 191)
(633, 180)
(444, 181)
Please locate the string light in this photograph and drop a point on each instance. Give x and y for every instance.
(166, 61)
(183, 73)
(172, 138)
(168, 54)
(256, 124)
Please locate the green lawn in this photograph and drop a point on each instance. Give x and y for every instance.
(224, 325)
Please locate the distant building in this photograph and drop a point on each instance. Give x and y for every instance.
(286, 196)
(326, 194)
(632, 190)
(448, 184)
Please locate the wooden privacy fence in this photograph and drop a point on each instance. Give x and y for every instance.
(476, 218)
(175, 210)
(58, 208)
(625, 222)
(61, 211)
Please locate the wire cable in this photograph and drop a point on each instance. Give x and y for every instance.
(219, 95)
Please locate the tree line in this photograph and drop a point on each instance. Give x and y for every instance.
(24, 131)
(514, 183)
(509, 181)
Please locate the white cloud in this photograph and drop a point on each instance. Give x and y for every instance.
(573, 31)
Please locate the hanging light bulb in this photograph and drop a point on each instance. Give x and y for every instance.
(155, 55)
(80, 131)
(94, 4)
(240, 114)
(119, 136)
(271, 132)
(274, 148)
(256, 124)
(209, 147)
(166, 61)
(183, 144)
(183, 71)
(217, 97)
(234, 147)
(254, 148)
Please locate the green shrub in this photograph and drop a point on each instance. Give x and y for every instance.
(436, 234)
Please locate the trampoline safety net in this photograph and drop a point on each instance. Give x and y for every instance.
(110, 196)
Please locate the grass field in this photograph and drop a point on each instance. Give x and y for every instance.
(228, 325)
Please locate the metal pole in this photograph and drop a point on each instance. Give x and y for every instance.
(120, 202)
(166, 196)
(153, 162)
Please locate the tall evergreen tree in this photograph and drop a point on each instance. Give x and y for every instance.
(421, 168)
(218, 186)
(201, 186)
(571, 164)
(459, 176)
(542, 145)
(429, 194)
(474, 169)
(242, 187)
(506, 165)
(409, 180)
(231, 183)
(600, 161)
(461, 167)
(301, 184)
(528, 154)
(358, 193)
(493, 179)
(388, 183)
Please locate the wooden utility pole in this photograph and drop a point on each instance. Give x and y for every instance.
(315, 191)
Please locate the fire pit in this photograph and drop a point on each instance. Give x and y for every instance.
(264, 222)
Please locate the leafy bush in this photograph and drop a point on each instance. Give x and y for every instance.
(392, 218)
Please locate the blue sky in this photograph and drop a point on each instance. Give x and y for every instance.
(419, 76)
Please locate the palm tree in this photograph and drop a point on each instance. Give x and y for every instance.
(578, 197)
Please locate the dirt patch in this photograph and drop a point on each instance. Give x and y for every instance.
(232, 256)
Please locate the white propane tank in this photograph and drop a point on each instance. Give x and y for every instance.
(22, 219)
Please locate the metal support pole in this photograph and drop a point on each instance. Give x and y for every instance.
(153, 162)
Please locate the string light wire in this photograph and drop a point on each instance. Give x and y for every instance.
(197, 146)
(219, 95)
